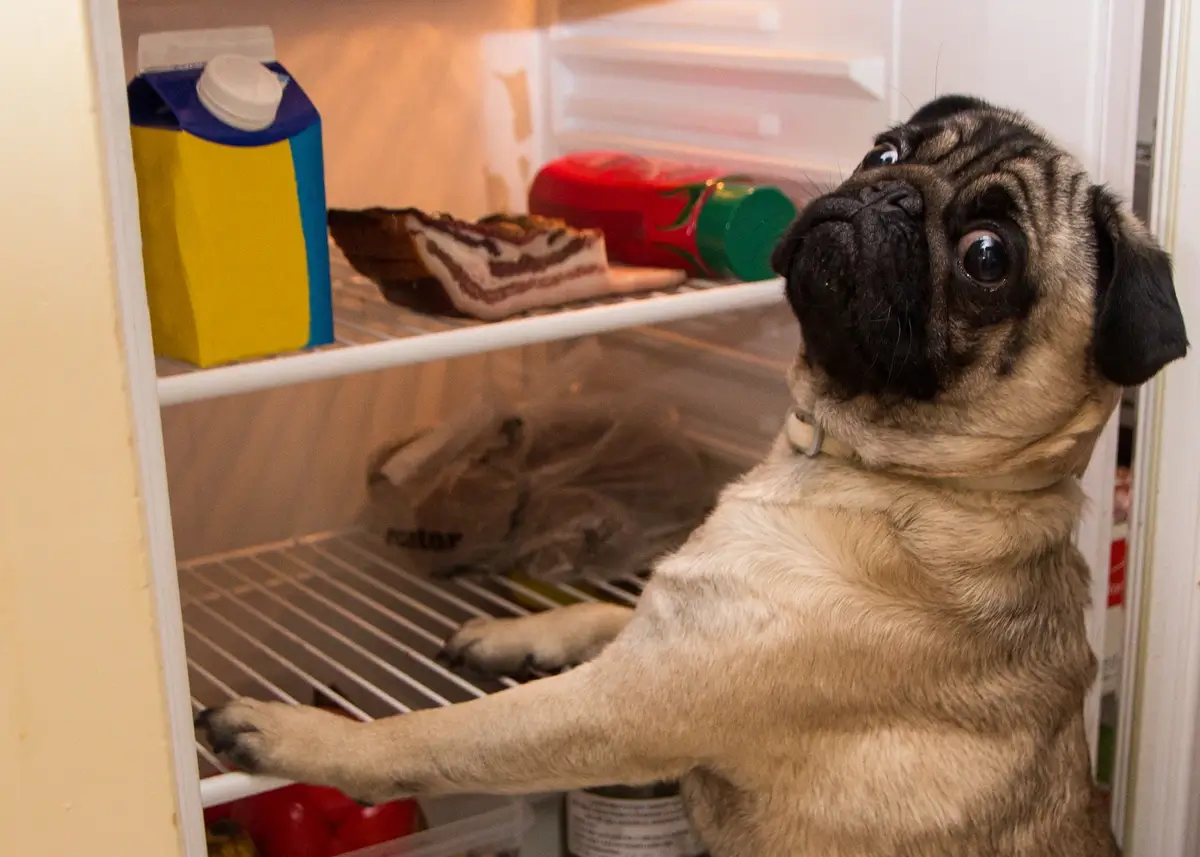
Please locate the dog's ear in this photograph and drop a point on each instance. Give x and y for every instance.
(945, 106)
(1139, 326)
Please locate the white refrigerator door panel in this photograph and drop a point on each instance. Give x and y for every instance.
(1161, 744)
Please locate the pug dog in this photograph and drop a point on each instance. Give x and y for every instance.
(875, 644)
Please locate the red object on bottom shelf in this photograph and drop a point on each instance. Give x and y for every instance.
(334, 806)
(313, 821)
(375, 824)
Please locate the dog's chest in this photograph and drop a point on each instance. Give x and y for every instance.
(848, 794)
(834, 754)
(753, 561)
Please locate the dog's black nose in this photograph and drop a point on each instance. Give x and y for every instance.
(896, 194)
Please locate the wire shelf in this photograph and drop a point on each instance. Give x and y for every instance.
(372, 334)
(335, 618)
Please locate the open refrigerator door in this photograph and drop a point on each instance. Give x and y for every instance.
(422, 107)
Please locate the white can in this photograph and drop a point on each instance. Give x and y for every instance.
(625, 821)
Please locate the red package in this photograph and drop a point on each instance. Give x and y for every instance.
(314, 821)
(661, 214)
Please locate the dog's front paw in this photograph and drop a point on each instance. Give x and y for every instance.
(274, 738)
(490, 647)
(537, 644)
(512, 647)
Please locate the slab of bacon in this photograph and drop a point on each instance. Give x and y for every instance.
(490, 269)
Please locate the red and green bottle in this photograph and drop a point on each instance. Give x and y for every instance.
(662, 214)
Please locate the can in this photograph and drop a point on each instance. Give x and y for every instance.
(629, 821)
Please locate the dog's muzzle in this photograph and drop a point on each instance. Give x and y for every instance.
(881, 199)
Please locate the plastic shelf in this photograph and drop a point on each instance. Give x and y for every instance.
(334, 617)
(373, 334)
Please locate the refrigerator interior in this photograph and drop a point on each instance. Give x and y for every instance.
(442, 105)
(282, 596)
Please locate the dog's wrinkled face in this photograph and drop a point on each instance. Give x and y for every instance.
(963, 239)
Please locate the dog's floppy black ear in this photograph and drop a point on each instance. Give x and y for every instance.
(1139, 326)
(945, 106)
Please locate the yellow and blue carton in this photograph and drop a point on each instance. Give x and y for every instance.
(233, 223)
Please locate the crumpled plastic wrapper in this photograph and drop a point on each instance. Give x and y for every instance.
(578, 477)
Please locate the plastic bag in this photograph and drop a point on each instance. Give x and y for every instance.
(580, 476)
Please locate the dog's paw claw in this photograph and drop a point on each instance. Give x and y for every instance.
(235, 732)
(454, 656)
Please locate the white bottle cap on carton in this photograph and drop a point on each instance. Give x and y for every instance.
(241, 92)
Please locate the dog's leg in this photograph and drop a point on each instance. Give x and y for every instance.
(587, 727)
(544, 642)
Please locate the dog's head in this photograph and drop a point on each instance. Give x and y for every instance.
(969, 301)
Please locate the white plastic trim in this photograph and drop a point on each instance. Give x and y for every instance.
(749, 16)
(244, 378)
(1163, 800)
(135, 324)
(225, 788)
(1108, 150)
(866, 75)
(1146, 449)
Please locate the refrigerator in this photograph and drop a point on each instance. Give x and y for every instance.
(174, 536)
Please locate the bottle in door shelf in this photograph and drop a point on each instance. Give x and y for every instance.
(629, 821)
(662, 214)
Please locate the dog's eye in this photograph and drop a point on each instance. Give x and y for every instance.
(983, 257)
(883, 155)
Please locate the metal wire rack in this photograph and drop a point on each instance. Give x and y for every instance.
(335, 618)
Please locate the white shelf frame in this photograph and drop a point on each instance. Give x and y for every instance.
(373, 334)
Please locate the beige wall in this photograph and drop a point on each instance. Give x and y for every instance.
(85, 759)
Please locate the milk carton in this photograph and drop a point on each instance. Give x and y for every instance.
(231, 189)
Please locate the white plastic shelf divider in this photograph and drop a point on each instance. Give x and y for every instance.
(373, 334)
(334, 618)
